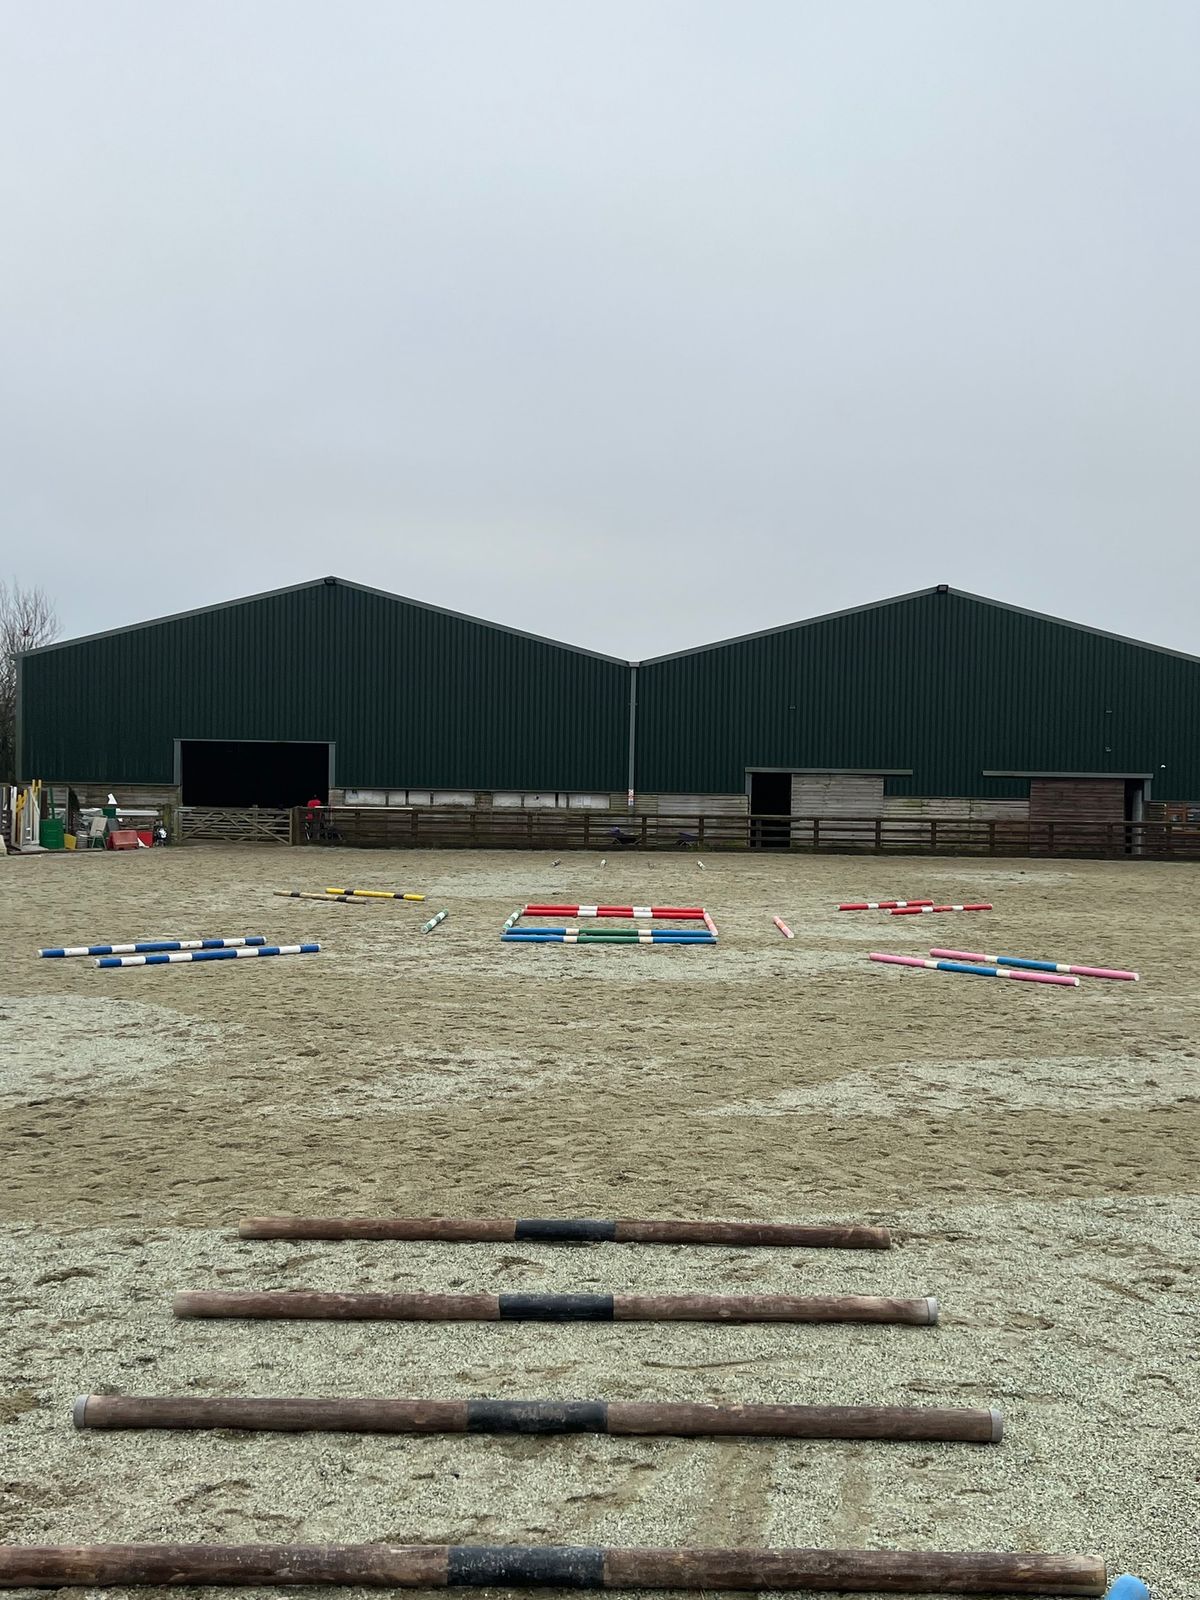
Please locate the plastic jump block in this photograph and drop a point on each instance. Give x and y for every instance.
(1037, 966)
(209, 955)
(973, 972)
(146, 946)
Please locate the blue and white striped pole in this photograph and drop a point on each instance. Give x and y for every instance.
(1118, 973)
(145, 946)
(209, 955)
(970, 971)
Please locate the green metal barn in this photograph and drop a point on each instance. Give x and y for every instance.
(936, 703)
(319, 689)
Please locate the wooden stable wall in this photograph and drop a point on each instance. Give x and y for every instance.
(135, 796)
(1065, 799)
(944, 808)
(837, 794)
(674, 805)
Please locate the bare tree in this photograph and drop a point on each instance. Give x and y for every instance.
(27, 620)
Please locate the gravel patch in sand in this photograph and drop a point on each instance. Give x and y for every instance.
(1003, 1083)
(71, 1045)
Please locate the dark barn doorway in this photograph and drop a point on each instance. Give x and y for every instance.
(771, 796)
(252, 772)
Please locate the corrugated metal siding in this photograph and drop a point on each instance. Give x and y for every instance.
(939, 683)
(411, 696)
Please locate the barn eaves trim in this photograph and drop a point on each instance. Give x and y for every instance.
(1065, 773)
(846, 772)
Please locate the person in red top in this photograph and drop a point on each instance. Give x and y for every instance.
(312, 816)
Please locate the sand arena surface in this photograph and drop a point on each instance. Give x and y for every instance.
(1035, 1151)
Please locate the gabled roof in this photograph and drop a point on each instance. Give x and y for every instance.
(319, 583)
(597, 655)
(918, 594)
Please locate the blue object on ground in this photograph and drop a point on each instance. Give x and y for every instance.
(1128, 1588)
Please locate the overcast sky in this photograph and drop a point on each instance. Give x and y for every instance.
(636, 323)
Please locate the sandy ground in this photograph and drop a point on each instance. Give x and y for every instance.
(1035, 1150)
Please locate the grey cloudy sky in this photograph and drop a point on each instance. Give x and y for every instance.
(636, 323)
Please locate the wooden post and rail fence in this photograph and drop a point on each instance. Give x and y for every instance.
(610, 832)
(438, 827)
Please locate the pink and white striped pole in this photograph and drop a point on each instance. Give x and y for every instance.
(973, 971)
(783, 927)
(1038, 966)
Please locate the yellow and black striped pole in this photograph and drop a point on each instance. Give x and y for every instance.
(377, 894)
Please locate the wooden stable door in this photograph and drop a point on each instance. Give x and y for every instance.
(1080, 814)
